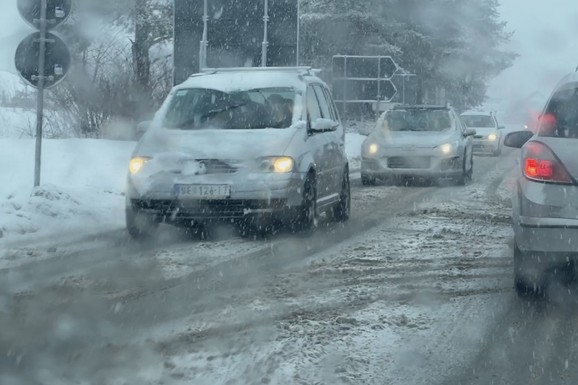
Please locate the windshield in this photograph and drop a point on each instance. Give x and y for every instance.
(199, 108)
(418, 120)
(478, 121)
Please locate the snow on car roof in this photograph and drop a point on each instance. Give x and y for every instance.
(232, 80)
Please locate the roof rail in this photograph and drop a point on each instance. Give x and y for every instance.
(235, 69)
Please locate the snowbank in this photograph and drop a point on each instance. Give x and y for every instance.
(82, 185)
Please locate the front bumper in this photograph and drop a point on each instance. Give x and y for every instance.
(425, 167)
(274, 195)
(486, 146)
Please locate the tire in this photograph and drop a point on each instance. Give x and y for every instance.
(466, 176)
(367, 180)
(525, 288)
(342, 210)
(306, 218)
(140, 226)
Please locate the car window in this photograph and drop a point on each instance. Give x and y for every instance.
(479, 121)
(560, 118)
(332, 108)
(313, 109)
(324, 106)
(199, 108)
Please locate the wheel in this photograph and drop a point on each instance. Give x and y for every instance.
(140, 225)
(466, 175)
(306, 219)
(342, 209)
(526, 288)
(498, 151)
(470, 173)
(367, 180)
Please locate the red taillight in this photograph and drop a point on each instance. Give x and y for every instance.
(541, 164)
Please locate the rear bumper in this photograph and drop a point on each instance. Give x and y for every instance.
(548, 235)
(545, 217)
(438, 168)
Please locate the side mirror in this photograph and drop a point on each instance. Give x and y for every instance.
(469, 132)
(518, 138)
(323, 125)
(501, 127)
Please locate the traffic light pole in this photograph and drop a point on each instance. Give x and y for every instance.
(40, 94)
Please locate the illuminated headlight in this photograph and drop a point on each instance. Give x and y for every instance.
(277, 164)
(492, 137)
(372, 149)
(136, 164)
(447, 148)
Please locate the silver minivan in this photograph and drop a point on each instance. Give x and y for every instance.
(251, 146)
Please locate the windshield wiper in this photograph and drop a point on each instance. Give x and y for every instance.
(219, 110)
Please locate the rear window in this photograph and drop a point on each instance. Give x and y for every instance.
(561, 116)
(478, 121)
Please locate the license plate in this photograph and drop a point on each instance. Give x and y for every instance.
(203, 191)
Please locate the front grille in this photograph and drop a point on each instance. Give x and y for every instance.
(420, 162)
(216, 166)
(478, 136)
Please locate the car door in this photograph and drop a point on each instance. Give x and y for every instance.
(466, 142)
(331, 141)
(317, 145)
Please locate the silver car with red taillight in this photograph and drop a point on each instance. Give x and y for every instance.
(545, 199)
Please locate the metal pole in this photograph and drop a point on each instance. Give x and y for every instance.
(265, 41)
(204, 42)
(40, 93)
(298, 31)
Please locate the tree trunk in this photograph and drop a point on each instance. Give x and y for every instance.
(142, 95)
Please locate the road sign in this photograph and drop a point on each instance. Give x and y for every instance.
(56, 61)
(57, 11)
(42, 58)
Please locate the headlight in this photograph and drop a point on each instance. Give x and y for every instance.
(492, 137)
(372, 149)
(277, 164)
(447, 148)
(136, 164)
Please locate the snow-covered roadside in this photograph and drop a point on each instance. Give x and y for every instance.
(82, 183)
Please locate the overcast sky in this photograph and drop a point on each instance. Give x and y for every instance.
(545, 37)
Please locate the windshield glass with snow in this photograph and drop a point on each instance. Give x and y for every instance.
(478, 121)
(418, 120)
(200, 108)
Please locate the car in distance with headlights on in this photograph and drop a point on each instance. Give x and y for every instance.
(545, 196)
(418, 141)
(251, 146)
(488, 138)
